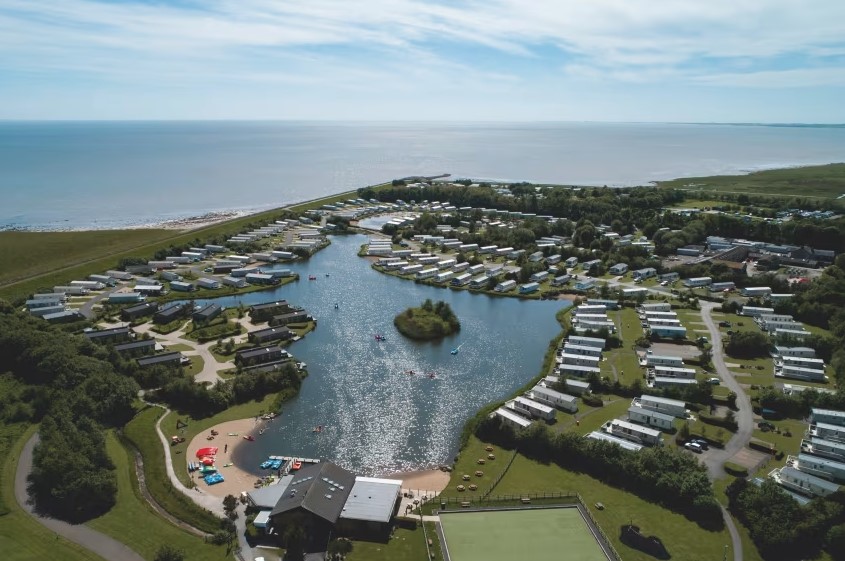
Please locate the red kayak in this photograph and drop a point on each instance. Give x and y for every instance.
(249, 437)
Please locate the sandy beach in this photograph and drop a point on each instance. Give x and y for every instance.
(235, 478)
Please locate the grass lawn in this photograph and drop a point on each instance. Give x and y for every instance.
(141, 431)
(133, 522)
(505, 535)
(21, 537)
(592, 419)
(196, 426)
(405, 545)
(180, 347)
(683, 539)
(819, 182)
(197, 364)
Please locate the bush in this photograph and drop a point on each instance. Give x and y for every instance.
(736, 470)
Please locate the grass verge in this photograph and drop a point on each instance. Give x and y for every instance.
(141, 432)
(132, 521)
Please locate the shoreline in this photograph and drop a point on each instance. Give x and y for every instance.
(237, 478)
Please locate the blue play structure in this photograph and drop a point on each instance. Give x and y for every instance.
(213, 478)
(271, 464)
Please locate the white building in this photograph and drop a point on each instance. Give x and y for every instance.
(635, 433)
(533, 408)
(697, 282)
(665, 405)
(804, 483)
(512, 419)
(588, 341)
(548, 396)
(660, 360)
(654, 419)
(674, 372)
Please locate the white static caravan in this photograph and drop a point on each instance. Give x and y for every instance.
(800, 373)
(553, 259)
(573, 349)
(582, 360)
(653, 314)
(822, 467)
(282, 254)
(654, 419)
(674, 372)
(387, 260)
(193, 255)
(433, 260)
(816, 363)
(462, 279)
(660, 360)
(476, 269)
(446, 264)
(668, 331)
(793, 334)
(502, 251)
(236, 282)
(533, 408)
(548, 396)
(621, 442)
(468, 247)
(697, 282)
(755, 311)
(178, 259)
(149, 289)
(608, 304)
(479, 282)
(104, 279)
(578, 370)
(426, 273)
(240, 258)
(664, 382)
(119, 275)
(803, 483)
(828, 416)
(47, 310)
(588, 341)
(561, 280)
(539, 276)
(488, 249)
(125, 297)
(571, 262)
(49, 296)
(590, 309)
(578, 387)
(90, 285)
(512, 419)
(756, 291)
(656, 307)
(396, 264)
(212, 284)
(658, 322)
(665, 405)
(161, 264)
(825, 448)
(180, 286)
(505, 286)
(461, 267)
(643, 274)
(244, 271)
(771, 326)
(443, 277)
(409, 269)
(634, 433)
(72, 290)
(826, 431)
(634, 292)
(171, 276)
(529, 288)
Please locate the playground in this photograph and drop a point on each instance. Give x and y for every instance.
(505, 535)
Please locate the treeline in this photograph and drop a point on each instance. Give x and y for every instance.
(665, 476)
(199, 400)
(798, 406)
(68, 385)
(782, 529)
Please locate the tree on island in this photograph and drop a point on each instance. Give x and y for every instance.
(429, 321)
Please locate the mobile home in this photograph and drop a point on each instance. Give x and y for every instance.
(533, 408)
(665, 405)
(548, 396)
(654, 419)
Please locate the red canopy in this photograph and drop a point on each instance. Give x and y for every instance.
(206, 452)
(207, 461)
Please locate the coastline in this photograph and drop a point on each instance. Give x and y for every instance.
(238, 478)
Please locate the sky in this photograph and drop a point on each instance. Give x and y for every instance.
(462, 60)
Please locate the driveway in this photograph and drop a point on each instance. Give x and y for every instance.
(744, 414)
(96, 542)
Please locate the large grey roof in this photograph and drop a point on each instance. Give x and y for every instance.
(321, 489)
(267, 497)
(372, 499)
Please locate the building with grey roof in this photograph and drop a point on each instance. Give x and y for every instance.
(314, 498)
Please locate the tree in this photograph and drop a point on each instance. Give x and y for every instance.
(230, 503)
(294, 537)
(169, 553)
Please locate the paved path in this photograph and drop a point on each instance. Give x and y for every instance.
(736, 541)
(715, 458)
(92, 540)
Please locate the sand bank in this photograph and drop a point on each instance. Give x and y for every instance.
(426, 482)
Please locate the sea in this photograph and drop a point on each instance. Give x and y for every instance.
(100, 175)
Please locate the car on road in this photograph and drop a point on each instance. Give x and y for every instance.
(694, 447)
(207, 270)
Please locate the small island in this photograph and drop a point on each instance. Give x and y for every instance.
(429, 321)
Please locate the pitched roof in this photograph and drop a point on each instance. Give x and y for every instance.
(321, 489)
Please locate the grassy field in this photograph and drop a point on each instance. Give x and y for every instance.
(21, 537)
(821, 182)
(505, 535)
(141, 432)
(75, 255)
(405, 545)
(683, 539)
(133, 522)
(196, 426)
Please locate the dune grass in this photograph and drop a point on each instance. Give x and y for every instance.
(819, 182)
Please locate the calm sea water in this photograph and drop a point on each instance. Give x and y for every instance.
(63, 175)
(377, 418)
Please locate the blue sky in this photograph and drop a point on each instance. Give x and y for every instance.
(511, 60)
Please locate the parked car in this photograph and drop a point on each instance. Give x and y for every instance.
(701, 442)
(724, 324)
(694, 446)
(714, 381)
(664, 283)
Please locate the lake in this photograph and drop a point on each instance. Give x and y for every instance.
(377, 418)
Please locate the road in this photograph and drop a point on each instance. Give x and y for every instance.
(96, 542)
(715, 458)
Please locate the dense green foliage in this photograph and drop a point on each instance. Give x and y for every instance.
(429, 321)
(747, 344)
(199, 401)
(781, 528)
(667, 476)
